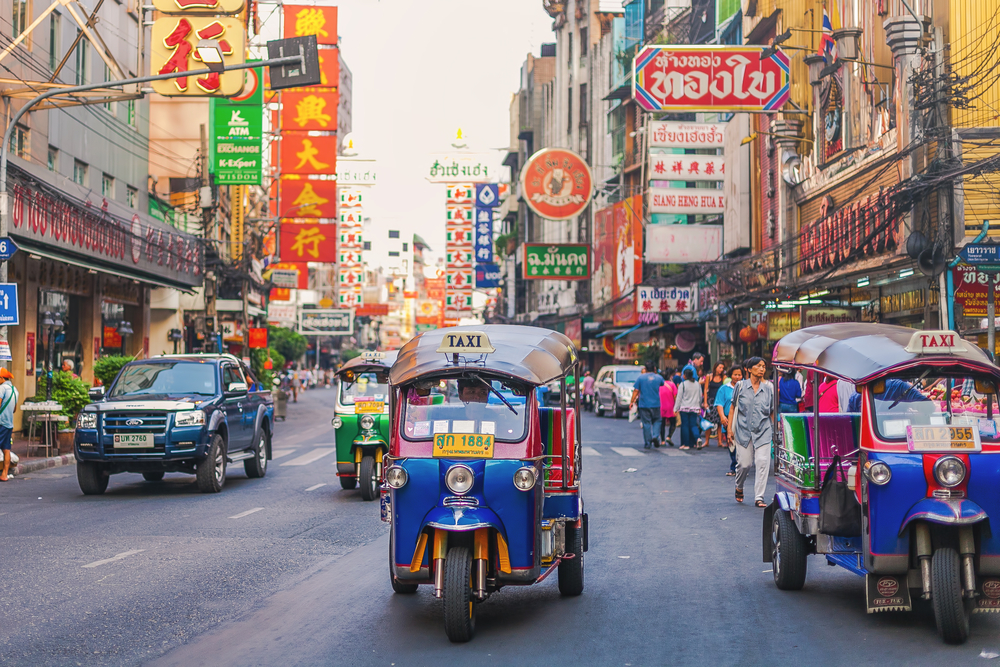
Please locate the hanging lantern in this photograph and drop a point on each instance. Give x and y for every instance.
(748, 335)
(268, 364)
(762, 329)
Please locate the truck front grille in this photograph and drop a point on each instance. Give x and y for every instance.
(148, 422)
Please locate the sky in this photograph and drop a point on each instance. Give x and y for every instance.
(421, 71)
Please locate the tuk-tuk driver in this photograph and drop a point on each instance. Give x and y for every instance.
(473, 391)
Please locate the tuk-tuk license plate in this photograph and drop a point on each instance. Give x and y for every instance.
(130, 440)
(368, 407)
(464, 445)
(943, 438)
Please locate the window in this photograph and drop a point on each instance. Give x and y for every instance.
(569, 110)
(108, 186)
(133, 197)
(367, 245)
(130, 112)
(583, 43)
(569, 50)
(406, 247)
(21, 19)
(80, 173)
(82, 60)
(53, 159)
(19, 142)
(112, 107)
(393, 253)
(393, 233)
(583, 104)
(54, 34)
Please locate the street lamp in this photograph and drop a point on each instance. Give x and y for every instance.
(51, 322)
(124, 329)
(210, 53)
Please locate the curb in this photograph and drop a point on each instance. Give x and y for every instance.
(41, 464)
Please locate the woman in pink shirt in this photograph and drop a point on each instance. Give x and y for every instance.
(668, 394)
(828, 395)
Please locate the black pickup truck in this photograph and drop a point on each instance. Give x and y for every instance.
(175, 413)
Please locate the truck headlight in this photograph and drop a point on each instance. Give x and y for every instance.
(190, 418)
(86, 420)
(396, 477)
(459, 479)
(524, 478)
(367, 422)
(949, 471)
(336, 422)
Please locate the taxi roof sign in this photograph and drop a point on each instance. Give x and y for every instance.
(931, 342)
(466, 342)
(373, 356)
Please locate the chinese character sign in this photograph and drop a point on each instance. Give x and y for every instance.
(174, 39)
(308, 199)
(304, 154)
(199, 6)
(687, 167)
(665, 299)
(484, 234)
(308, 242)
(304, 21)
(309, 111)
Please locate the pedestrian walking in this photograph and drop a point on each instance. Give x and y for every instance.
(588, 392)
(789, 393)
(8, 403)
(713, 382)
(829, 401)
(296, 385)
(688, 405)
(750, 426)
(695, 364)
(646, 395)
(668, 394)
(724, 401)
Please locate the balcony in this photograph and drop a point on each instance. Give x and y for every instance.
(554, 7)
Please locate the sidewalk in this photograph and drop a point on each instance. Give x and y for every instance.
(35, 463)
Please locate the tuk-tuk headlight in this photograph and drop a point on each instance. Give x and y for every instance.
(367, 422)
(949, 471)
(878, 473)
(396, 477)
(336, 422)
(524, 478)
(459, 479)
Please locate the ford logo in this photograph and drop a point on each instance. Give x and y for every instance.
(134, 422)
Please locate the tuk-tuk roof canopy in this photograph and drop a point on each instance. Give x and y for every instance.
(360, 364)
(531, 354)
(860, 352)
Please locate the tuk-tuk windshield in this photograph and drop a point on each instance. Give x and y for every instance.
(934, 400)
(366, 387)
(465, 406)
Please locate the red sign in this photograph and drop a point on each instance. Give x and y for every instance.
(112, 338)
(623, 313)
(309, 110)
(713, 78)
(280, 294)
(627, 246)
(301, 267)
(557, 183)
(29, 347)
(304, 21)
(574, 331)
(372, 310)
(308, 242)
(435, 288)
(302, 198)
(304, 154)
(971, 289)
(258, 338)
(866, 227)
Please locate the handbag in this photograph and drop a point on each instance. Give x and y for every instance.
(839, 510)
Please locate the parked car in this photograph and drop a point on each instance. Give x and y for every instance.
(613, 389)
(191, 413)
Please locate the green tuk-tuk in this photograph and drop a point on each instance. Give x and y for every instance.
(361, 421)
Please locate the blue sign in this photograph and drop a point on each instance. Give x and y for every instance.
(484, 235)
(487, 195)
(488, 275)
(980, 253)
(8, 304)
(7, 248)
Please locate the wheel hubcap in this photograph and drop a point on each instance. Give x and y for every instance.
(776, 548)
(220, 464)
(262, 456)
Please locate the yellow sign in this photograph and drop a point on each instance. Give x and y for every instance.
(199, 6)
(369, 407)
(466, 342)
(174, 39)
(464, 445)
(236, 220)
(943, 438)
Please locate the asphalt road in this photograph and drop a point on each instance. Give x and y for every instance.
(291, 570)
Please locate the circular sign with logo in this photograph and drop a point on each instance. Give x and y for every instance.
(991, 588)
(251, 86)
(556, 183)
(888, 586)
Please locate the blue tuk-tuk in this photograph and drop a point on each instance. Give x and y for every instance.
(899, 487)
(482, 485)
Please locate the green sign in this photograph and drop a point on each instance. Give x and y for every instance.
(237, 134)
(556, 261)
(421, 328)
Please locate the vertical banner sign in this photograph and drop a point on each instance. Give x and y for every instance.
(236, 227)
(307, 242)
(236, 153)
(303, 21)
(29, 355)
(484, 234)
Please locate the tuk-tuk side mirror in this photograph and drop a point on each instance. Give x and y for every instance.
(878, 387)
(985, 387)
(859, 388)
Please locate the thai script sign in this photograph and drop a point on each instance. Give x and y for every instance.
(665, 299)
(556, 261)
(686, 200)
(670, 134)
(867, 227)
(780, 323)
(813, 316)
(462, 167)
(687, 167)
(336, 322)
(351, 171)
(971, 285)
(732, 78)
(556, 183)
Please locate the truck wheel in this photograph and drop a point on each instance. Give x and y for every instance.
(211, 473)
(348, 483)
(788, 552)
(616, 411)
(92, 478)
(598, 408)
(256, 467)
(571, 571)
(397, 586)
(152, 476)
(459, 605)
(951, 610)
(368, 479)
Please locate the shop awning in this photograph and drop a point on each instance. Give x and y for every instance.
(627, 332)
(641, 334)
(609, 332)
(32, 249)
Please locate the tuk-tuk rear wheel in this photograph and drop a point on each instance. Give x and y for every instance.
(459, 603)
(951, 609)
(368, 477)
(348, 483)
(788, 552)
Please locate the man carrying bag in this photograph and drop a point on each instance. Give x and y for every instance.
(750, 428)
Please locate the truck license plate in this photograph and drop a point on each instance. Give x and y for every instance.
(133, 440)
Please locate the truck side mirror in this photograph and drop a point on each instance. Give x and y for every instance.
(237, 388)
(96, 393)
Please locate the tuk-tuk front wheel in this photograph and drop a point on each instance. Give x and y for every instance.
(788, 552)
(951, 609)
(459, 603)
(571, 569)
(368, 477)
(348, 483)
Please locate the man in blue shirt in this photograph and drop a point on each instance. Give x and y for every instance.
(646, 392)
(724, 401)
(697, 361)
(8, 402)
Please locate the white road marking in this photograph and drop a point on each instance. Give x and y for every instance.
(124, 554)
(311, 457)
(627, 451)
(278, 453)
(672, 452)
(247, 513)
(316, 486)
(590, 451)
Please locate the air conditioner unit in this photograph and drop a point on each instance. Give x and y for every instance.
(594, 345)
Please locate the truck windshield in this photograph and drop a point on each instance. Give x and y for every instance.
(933, 400)
(367, 387)
(179, 378)
(465, 406)
(626, 377)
